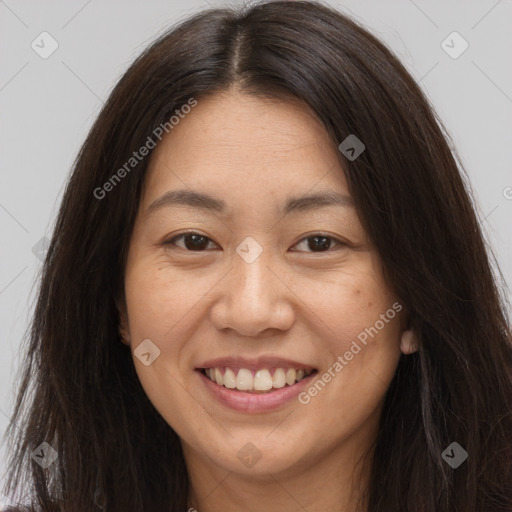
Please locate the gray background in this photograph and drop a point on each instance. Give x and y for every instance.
(48, 105)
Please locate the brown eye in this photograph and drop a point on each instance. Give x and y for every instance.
(318, 243)
(191, 241)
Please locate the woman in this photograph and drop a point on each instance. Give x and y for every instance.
(266, 290)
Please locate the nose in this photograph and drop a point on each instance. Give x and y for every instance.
(254, 298)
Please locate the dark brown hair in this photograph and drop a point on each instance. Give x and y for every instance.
(79, 391)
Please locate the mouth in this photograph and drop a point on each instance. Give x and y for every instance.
(254, 385)
(256, 381)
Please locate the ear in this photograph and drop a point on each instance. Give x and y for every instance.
(124, 328)
(408, 339)
(408, 342)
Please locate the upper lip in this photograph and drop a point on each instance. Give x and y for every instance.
(254, 363)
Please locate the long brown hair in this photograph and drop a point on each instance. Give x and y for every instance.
(79, 391)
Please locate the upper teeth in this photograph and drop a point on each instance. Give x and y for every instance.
(259, 380)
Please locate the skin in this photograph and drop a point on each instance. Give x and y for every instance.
(291, 302)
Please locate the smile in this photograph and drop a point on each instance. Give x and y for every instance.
(263, 380)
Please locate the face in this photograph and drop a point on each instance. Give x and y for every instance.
(234, 275)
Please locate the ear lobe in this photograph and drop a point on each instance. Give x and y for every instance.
(408, 342)
(124, 330)
(125, 336)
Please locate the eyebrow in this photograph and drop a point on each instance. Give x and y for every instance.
(202, 201)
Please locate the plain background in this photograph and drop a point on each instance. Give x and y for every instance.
(48, 105)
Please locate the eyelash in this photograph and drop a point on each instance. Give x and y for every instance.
(337, 242)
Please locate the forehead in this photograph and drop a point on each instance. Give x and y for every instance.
(240, 145)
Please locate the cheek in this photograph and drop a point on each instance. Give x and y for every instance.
(360, 322)
(158, 300)
(350, 305)
(159, 303)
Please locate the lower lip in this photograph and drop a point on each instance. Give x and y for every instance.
(255, 402)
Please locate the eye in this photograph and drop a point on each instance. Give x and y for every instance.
(318, 243)
(196, 242)
(192, 241)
